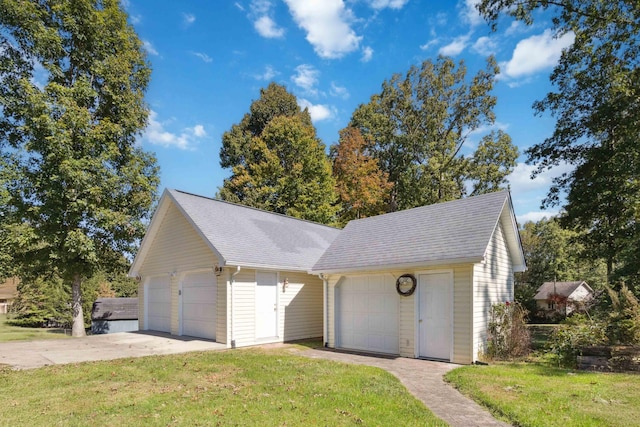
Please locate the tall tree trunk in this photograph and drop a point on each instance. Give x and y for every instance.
(77, 330)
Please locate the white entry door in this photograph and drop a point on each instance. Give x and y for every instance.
(434, 316)
(266, 304)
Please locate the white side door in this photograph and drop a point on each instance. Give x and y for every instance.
(266, 304)
(434, 316)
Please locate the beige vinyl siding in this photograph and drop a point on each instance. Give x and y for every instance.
(462, 313)
(175, 305)
(244, 307)
(221, 309)
(333, 281)
(300, 306)
(407, 324)
(177, 247)
(141, 324)
(493, 283)
(462, 345)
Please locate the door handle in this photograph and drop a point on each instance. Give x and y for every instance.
(275, 308)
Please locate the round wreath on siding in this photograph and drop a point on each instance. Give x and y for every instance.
(406, 285)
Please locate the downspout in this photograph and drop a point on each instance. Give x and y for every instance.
(233, 276)
(325, 307)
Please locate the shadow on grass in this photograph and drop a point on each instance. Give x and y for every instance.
(309, 343)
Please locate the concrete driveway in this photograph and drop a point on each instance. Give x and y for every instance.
(35, 354)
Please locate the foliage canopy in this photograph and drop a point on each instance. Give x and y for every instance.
(72, 81)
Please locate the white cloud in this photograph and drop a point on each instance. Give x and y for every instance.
(206, 58)
(199, 132)
(188, 18)
(327, 26)
(149, 48)
(268, 73)
(485, 46)
(514, 28)
(367, 54)
(267, 28)
(474, 136)
(430, 43)
(536, 53)
(156, 134)
(318, 112)
(306, 77)
(135, 19)
(239, 6)
(261, 7)
(535, 216)
(339, 91)
(391, 4)
(469, 13)
(521, 182)
(455, 47)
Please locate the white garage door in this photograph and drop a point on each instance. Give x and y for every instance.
(367, 314)
(158, 307)
(199, 305)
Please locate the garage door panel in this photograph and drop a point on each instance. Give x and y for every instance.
(158, 307)
(367, 314)
(199, 293)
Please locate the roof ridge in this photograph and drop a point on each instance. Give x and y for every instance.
(493, 193)
(213, 199)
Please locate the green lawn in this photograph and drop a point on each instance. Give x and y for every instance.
(18, 333)
(533, 394)
(262, 387)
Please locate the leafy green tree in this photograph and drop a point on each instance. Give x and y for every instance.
(362, 187)
(40, 302)
(553, 252)
(83, 188)
(278, 163)
(595, 101)
(419, 123)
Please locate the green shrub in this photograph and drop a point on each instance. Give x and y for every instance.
(508, 336)
(616, 323)
(576, 332)
(624, 318)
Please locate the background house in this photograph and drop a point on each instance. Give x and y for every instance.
(562, 298)
(8, 292)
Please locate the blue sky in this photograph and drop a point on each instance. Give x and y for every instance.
(210, 59)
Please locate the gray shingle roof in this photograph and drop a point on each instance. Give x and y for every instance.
(560, 288)
(251, 237)
(457, 231)
(115, 309)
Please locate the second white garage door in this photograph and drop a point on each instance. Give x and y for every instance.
(199, 305)
(367, 314)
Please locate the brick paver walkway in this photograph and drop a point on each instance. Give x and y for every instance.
(423, 378)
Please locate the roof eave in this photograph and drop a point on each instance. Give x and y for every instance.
(149, 235)
(258, 266)
(413, 265)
